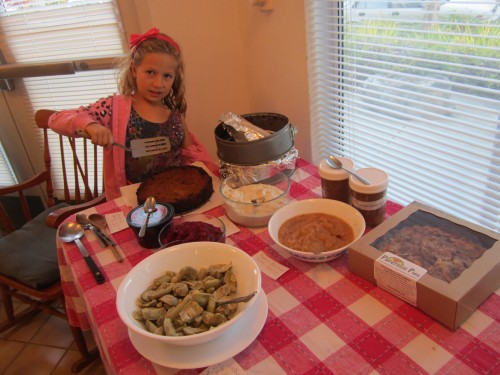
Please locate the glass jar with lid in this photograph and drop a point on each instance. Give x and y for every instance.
(370, 200)
(163, 215)
(335, 182)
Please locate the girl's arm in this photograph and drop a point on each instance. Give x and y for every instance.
(95, 119)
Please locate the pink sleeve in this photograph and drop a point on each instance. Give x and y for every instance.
(67, 122)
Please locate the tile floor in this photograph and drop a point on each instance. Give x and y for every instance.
(42, 346)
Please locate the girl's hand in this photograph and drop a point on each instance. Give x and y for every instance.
(100, 135)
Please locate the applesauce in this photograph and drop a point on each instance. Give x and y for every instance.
(315, 233)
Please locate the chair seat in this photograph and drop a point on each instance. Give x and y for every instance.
(35, 268)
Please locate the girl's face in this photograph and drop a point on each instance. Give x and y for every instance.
(154, 76)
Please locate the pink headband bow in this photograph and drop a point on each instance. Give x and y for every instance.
(137, 39)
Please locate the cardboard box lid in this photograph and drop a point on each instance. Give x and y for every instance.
(466, 291)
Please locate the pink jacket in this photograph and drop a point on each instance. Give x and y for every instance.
(116, 118)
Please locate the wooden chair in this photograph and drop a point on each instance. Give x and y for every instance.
(28, 258)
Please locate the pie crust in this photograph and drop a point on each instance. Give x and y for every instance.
(185, 187)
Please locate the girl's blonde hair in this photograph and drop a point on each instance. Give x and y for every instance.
(126, 83)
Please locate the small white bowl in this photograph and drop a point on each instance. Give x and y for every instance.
(197, 255)
(308, 206)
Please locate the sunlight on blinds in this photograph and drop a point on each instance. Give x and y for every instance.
(38, 31)
(7, 176)
(412, 87)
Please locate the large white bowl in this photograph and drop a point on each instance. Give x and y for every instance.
(197, 255)
(308, 206)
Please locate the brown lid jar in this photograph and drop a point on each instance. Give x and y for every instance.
(335, 182)
(370, 200)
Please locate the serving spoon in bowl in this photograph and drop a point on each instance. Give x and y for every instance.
(335, 163)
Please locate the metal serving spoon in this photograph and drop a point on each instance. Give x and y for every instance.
(335, 163)
(149, 207)
(69, 232)
(237, 300)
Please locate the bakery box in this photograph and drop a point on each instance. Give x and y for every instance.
(443, 265)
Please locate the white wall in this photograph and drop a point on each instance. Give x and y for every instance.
(238, 58)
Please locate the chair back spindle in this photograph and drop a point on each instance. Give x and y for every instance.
(36, 284)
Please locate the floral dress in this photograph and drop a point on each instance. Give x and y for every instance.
(137, 169)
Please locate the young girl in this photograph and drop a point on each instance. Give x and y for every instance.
(151, 104)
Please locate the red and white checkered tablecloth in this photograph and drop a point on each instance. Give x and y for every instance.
(322, 319)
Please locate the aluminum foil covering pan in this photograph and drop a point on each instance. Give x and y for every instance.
(249, 174)
(259, 151)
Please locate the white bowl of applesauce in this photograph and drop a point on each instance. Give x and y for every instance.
(316, 230)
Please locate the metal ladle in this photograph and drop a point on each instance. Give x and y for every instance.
(335, 163)
(149, 208)
(69, 232)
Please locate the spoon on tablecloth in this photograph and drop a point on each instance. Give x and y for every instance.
(99, 221)
(335, 163)
(83, 220)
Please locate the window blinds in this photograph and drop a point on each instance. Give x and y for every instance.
(411, 87)
(39, 30)
(7, 176)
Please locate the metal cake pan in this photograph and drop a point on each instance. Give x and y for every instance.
(261, 150)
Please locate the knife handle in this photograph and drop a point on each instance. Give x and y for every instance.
(101, 236)
(99, 277)
(109, 241)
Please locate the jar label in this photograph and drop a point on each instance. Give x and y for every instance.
(368, 206)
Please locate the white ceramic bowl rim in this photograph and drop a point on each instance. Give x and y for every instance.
(130, 322)
(309, 204)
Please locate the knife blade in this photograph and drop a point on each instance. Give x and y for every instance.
(103, 235)
(115, 251)
(110, 242)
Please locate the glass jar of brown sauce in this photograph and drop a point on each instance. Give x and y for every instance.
(370, 200)
(335, 182)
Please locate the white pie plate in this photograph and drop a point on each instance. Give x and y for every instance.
(241, 335)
